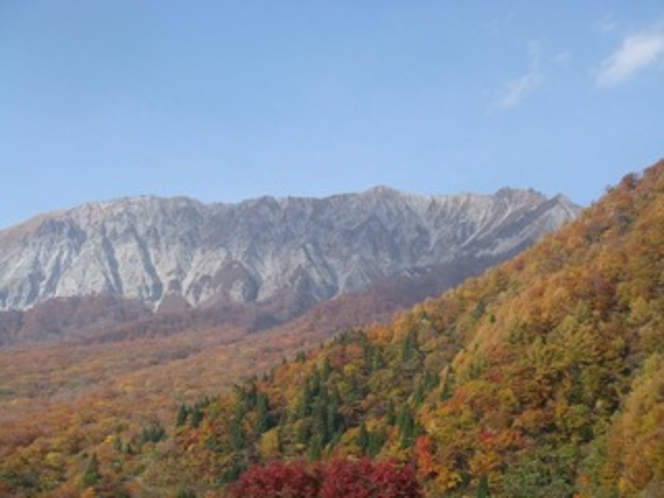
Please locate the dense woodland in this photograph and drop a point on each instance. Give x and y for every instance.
(542, 377)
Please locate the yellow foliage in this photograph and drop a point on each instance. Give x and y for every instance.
(637, 439)
(447, 479)
(268, 446)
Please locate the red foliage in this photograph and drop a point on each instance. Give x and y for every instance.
(362, 479)
(350, 479)
(288, 480)
(338, 478)
(393, 480)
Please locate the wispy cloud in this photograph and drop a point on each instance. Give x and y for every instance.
(606, 24)
(517, 89)
(636, 53)
(499, 23)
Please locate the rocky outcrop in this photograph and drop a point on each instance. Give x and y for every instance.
(299, 249)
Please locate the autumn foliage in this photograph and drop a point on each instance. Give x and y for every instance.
(339, 477)
(541, 378)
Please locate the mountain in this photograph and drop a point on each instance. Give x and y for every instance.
(542, 377)
(285, 254)
(87, 412)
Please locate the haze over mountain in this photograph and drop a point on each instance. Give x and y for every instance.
(291, 252)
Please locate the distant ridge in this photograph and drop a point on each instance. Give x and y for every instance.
(298, 251)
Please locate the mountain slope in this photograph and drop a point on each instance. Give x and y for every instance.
(543, 377)
(285, 253)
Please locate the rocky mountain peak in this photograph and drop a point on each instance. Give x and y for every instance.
(266, 249)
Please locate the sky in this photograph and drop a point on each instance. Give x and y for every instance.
(228, 100)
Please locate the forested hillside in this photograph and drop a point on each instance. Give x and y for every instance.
(544, 377)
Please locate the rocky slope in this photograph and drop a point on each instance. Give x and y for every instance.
(294, 250)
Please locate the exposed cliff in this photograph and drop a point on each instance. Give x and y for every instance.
(303, 250)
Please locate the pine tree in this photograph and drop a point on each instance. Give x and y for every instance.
(363, 438)
(91, 475)
(196, 416)
(377, 439)
(483, 488)
(315, 448)
(407, 427)
(319, 420)
(235, 435)
(334, 420)
(390, 413)
(263, 420)
(181, 418)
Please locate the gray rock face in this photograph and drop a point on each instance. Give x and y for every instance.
(149, 247)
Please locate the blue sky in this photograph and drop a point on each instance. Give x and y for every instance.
(226, 100)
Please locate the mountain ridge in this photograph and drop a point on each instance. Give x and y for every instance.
(312, 249)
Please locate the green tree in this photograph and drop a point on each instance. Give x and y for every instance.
(91, 474)
(363, 438)
(263, 419)
(181, 418)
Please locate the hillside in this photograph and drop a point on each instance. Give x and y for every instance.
(77, 370)
(543, 377)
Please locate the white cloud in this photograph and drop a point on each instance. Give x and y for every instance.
(515, 90)
(637, 52)
(606, 24)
